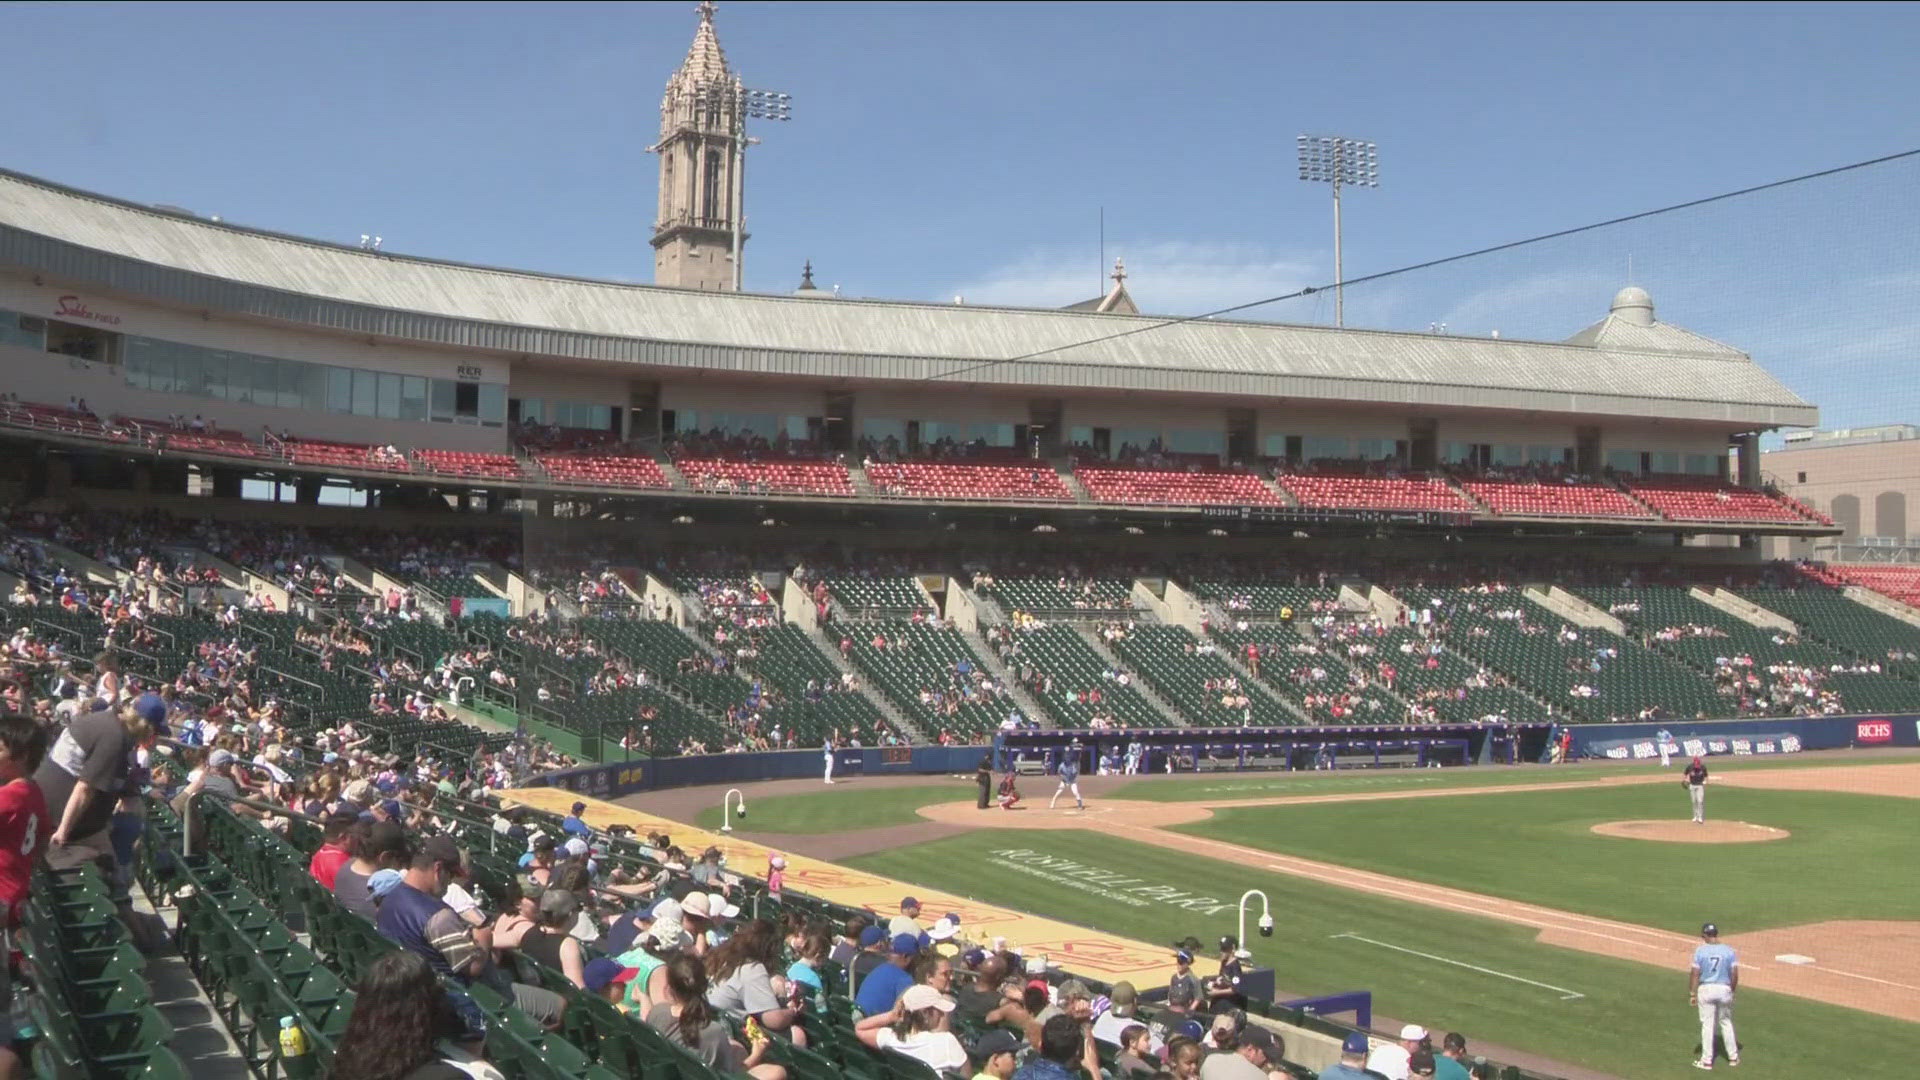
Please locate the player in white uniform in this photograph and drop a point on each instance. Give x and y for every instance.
(1664, 740)
(1711, 981)
(826, 754)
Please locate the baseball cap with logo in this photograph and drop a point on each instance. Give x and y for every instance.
(1356, 1043)
(1256, 1036)
(1709, 930)
(872, 935)
(602, 972)
(1124, 998)
(906, 945)
(1420, 1063)
(150, 708)
(995, 1043)
(1413, 1033)
(1183, 956)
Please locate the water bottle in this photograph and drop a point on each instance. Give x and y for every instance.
(293, 1038)
(20, 1025)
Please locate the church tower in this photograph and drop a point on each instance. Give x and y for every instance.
(700, 128)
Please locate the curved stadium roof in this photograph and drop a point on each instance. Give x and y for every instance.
(177, 259)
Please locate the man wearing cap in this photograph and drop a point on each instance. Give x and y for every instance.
(83, 776)
(607, 979)
(1120, 1015)
(414, 917)
(1711, 982)
(908, 921)
(1353, 1060)
(882, 988)
(1245, 1056)
(1694, 779)
(1390, 1059)
(1183, 989)
(1224, 993)
(574, 825)
(871, 954)
(998, 1053)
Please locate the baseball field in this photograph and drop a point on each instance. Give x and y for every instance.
(1547, 910)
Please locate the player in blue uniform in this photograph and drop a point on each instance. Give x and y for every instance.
(1069, 777)
(1711, 981)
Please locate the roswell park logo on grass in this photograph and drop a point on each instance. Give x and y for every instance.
(1132, 891)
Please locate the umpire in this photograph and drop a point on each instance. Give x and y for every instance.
(1695, 778)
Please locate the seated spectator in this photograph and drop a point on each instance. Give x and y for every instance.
(374, 846)
(998, 1053)
(741, 980)
(1247, 1054)
(881, 989)
(918, 1028)
(415, 917)
(685, 1017)
(1353, 1061)
(549, 941)
(334, 852)
(1065, 1046)
(404, 1026)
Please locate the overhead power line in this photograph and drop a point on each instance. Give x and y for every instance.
(1428, 265)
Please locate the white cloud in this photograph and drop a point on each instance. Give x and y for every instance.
(1165, 277)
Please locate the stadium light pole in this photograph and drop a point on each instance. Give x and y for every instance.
(1337, 161)
(759, 105)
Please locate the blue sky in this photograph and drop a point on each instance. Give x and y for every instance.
(966, 149)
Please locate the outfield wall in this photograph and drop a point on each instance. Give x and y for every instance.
(644, 774)
(1741, 737)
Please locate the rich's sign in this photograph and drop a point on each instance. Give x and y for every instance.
(1874, 731)
(72, 307)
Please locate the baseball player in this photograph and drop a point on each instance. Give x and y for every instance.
(1664, 739)
(1069, 778)
(1009, 792)
(1695, 780)
(826, 755)
(1711, 981)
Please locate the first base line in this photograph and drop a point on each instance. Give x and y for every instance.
(1565, 994)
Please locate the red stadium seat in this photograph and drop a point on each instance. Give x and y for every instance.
(948, 480)
(1343, 492)
(345, 455)
(789, 476)
(605, 470)
(469, 464)
(1698, 499)
(1533, 498)
(1174, 487)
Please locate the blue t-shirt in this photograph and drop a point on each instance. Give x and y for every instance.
(881, 989)
(1715, 963)
(802, 972)
(573, 826)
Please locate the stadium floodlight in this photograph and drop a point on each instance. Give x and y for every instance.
(750, 104)
(1337, 161)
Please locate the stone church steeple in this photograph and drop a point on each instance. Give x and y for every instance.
(700, 126)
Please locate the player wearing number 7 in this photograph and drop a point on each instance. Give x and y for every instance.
(24, 829)
(1711, 981)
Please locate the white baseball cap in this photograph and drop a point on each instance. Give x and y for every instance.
(1413, 1033)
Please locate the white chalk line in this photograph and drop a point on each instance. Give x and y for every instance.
(1565, 994)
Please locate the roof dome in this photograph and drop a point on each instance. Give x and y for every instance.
(1633, 305)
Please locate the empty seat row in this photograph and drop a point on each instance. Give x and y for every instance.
(789, 476)
(605, 470)
(1340, 492)
(1554, 499)
(469, 464)
(1693, 499)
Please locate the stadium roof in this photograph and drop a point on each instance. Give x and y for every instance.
(1637, 369)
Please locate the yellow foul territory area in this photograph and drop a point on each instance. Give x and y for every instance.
(1077, 949)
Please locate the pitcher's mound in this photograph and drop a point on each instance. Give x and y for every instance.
(1686, 832)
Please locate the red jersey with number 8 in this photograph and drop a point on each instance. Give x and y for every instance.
(24, 829)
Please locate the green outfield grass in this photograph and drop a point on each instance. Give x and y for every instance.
(1632, 1020)
(847, 808)
(1214, 787)
(1848, 857)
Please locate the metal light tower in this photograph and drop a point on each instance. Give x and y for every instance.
(1331, 159)
(761, 105)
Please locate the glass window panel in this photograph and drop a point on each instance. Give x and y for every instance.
(13, 333)
(366, 392)
(134, 362)
(413, 398)
(339, 390)
(1274, 446)
(1138, 439)
(1196, 441)
(602, 418)
(387, 404)
(1373, 449)
(530, 411)
(493, 403)
(1546, 455)
(213, 374)
(882, 428)
(1624, 461)
(1508, 455)
(1080, 435)
(1703, 464)
(1665, 461)
(313, 387)
(265, 379)
(1315, 447)
(796, 426)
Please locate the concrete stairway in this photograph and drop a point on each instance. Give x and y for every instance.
(1162, 705)
(888, 709)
